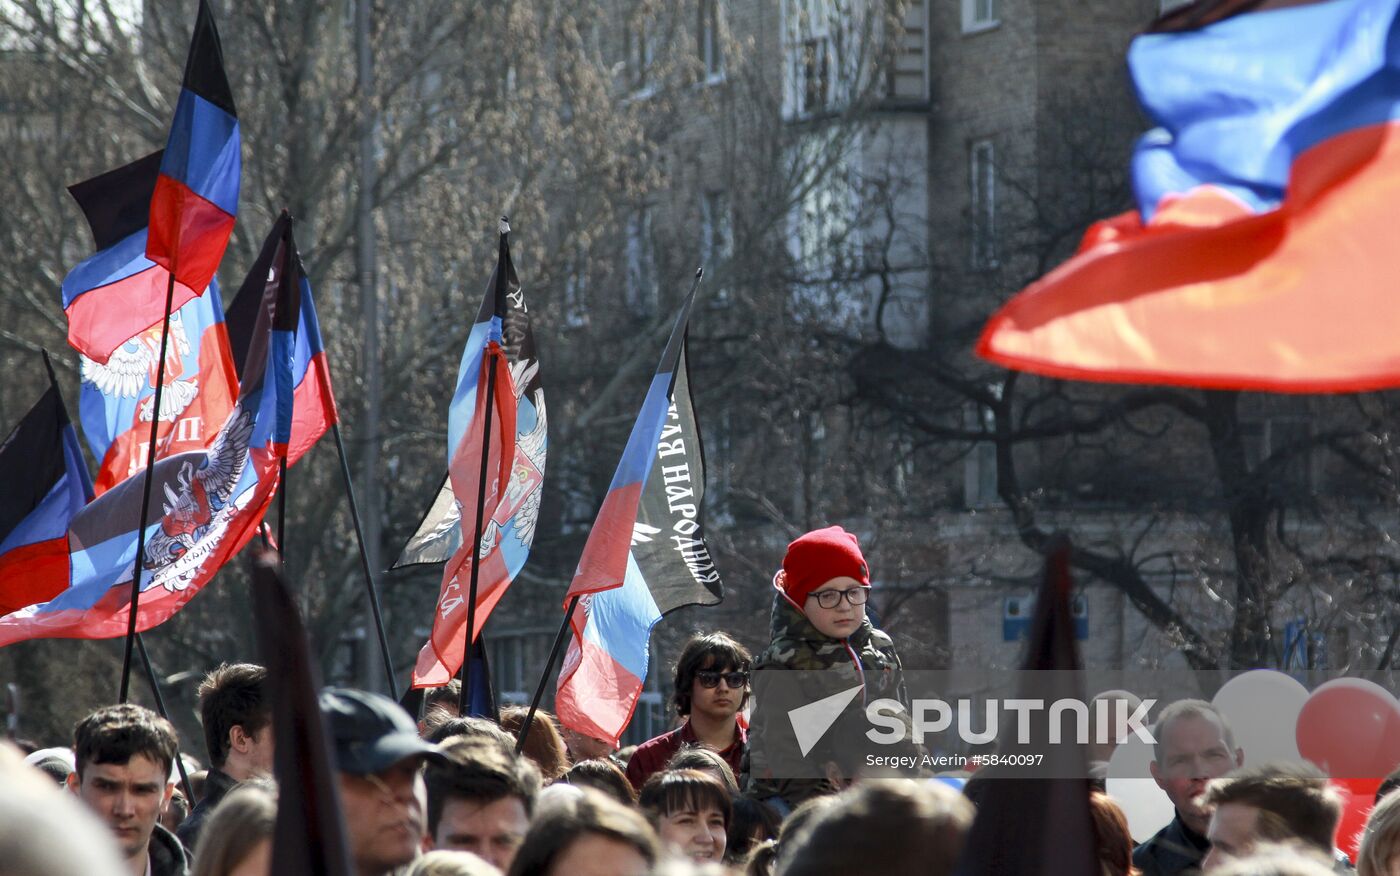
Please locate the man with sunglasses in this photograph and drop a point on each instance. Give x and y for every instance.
(711, 688)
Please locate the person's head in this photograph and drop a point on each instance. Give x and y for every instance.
(1276, 803)
(712, 677)
(1388, 784)
(1194, 745)
(445, 700)
(698, 757)
(543, 744)
(446, 863)
(378, 755)
(761, 859)
(1112, 840)
(122, 759)
(480, 799)
(45, 833)
(603, 775)
(237, 718)
(56, 763)
(237, 838)
(893, 826)
(446, 726)
(1111, 709)
(690, 811)
(586, 834)
(825, 575)
(581, 746)
(1278, 859)
(1379, 854)
(752, 823)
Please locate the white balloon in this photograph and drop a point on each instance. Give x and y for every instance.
(1262, 706)
(1131, 786)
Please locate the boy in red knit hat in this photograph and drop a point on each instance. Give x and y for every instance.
(819, 623)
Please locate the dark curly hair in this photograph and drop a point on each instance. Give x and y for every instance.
(706, 651)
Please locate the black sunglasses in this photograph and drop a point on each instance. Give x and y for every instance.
(709, 678)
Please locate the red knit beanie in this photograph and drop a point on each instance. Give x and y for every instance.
(817, 557)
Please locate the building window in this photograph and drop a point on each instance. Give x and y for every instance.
(641, 262)
(983, 183)
(516, 659)
(980, 464)
(716, 241)
(810, 57)
(978, 15)
(709, 47)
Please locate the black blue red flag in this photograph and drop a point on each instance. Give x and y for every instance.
(645, 556)
(1260, 254)
(515, 471)
(313, 409)
(46, 483)
(196, 196)
(210, 502)
(117, 399)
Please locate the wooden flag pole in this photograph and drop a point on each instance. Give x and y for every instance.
(364, 562)
(146, 493)
(544, 676)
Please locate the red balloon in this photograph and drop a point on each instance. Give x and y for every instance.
(1358, 796)
(1350, 728)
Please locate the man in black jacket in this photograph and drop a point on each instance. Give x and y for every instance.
(237, 721)
(1194, 745)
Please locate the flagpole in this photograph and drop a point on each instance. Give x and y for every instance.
(465, 696)
(160, 708)
(146, 493)
(544, 677)
(364, 561)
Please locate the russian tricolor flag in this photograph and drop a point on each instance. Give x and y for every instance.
(645, 556)
(196, 197)
(46, 483)
(1261, 255)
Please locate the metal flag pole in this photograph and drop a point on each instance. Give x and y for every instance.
(364, 562)
(544, 677)
(146, 493)
(160, 708)
(465, 696)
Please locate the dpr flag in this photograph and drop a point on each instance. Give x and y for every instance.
(1261, 253)
(196, 197)
(116, 402)
(313, 409)
(514, 471)
(206, 504)
(46, 483)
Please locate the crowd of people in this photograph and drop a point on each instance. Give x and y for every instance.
(452, 794)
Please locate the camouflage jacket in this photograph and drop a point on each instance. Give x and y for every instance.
(772, 767)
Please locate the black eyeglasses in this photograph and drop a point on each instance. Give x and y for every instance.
(832, 598)
(709, 678)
